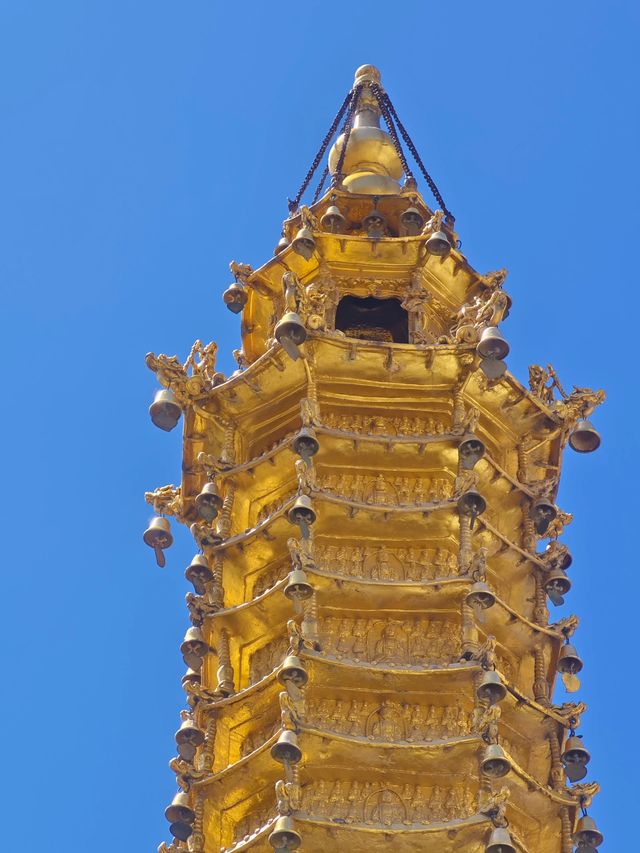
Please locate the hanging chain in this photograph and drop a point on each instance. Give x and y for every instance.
(346, 133)
(320, 186)
(384, 110)
(293, 203)
(414, 153)
(388, 112)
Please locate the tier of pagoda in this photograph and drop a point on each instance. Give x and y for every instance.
(371, 658)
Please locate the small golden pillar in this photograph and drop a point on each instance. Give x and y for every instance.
(372, 494)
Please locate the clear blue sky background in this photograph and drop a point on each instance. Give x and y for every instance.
(144, 146)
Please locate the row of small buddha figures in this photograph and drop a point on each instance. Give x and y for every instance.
(415, 642)
(375, 490)
(385, 722)
(372, 563)
(372, 804)
(379, 425)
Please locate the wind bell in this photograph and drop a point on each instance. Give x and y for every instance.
(165, 410)
(305, 444)
(286, 749)
(304, 243)
(194, 648)
(491, 688)
(284, 836)
(569, 665)
(290, 333)
(500, 841)
(199, 573)
(495, 763)
(557, 585)
(235, 297)
(492, 345)
(158, 536)
(542, 513)
(438, 244)
(575, 757)
(587, 835)
(292, 670)
(333, 220)
(303, 514)
(472, 503)
(209, 502)
(584, 438)
(180, 816)
(412, 221)
(188, 738)
(298, 587)
(470, 451)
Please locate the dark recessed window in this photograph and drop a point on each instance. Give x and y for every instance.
(373, 319)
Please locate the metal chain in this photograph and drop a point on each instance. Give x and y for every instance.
(348, 124)
(384, 109)
(320, 186)
(414, 153)
(293, 203)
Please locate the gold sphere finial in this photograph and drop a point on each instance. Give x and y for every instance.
(367, 74)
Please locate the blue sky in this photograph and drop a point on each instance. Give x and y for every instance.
(147, 144)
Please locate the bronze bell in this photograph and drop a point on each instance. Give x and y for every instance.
(569, 662)
(181, 816)
(500, 841)
(304, 243)
(194, 648)
(286, 749)
(206, 537)
(587, 833)
(165, 410)
(290, 333)
(188, 738)
(306, 444)
(298, 587)
(470, 450)
(438, 244)
(412, 220)
(556, 585)
(480, 595)
(293, 670)
(235, 297)
(492, 344)
(575, 758)
(333, 220)
(491, 688)
(542, 513)
(199, 573)
(208, 502)
(158, 536)
(472, 503)
(281, 245)
(191, 676)
(584, 438)
(303, 514)
(373, 224)
(495, 762)
(284, 835)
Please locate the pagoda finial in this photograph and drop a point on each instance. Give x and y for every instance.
(367, 74)
(371, 164)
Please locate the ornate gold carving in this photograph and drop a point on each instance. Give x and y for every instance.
(418, 642)
(386, 805)
(191, 380)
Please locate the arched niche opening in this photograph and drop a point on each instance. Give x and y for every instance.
(373, 319)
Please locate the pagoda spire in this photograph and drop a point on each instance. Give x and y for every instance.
(372, 499)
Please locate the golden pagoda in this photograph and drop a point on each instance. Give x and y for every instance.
(371, 661)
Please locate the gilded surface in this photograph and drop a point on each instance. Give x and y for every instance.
(390, 724)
